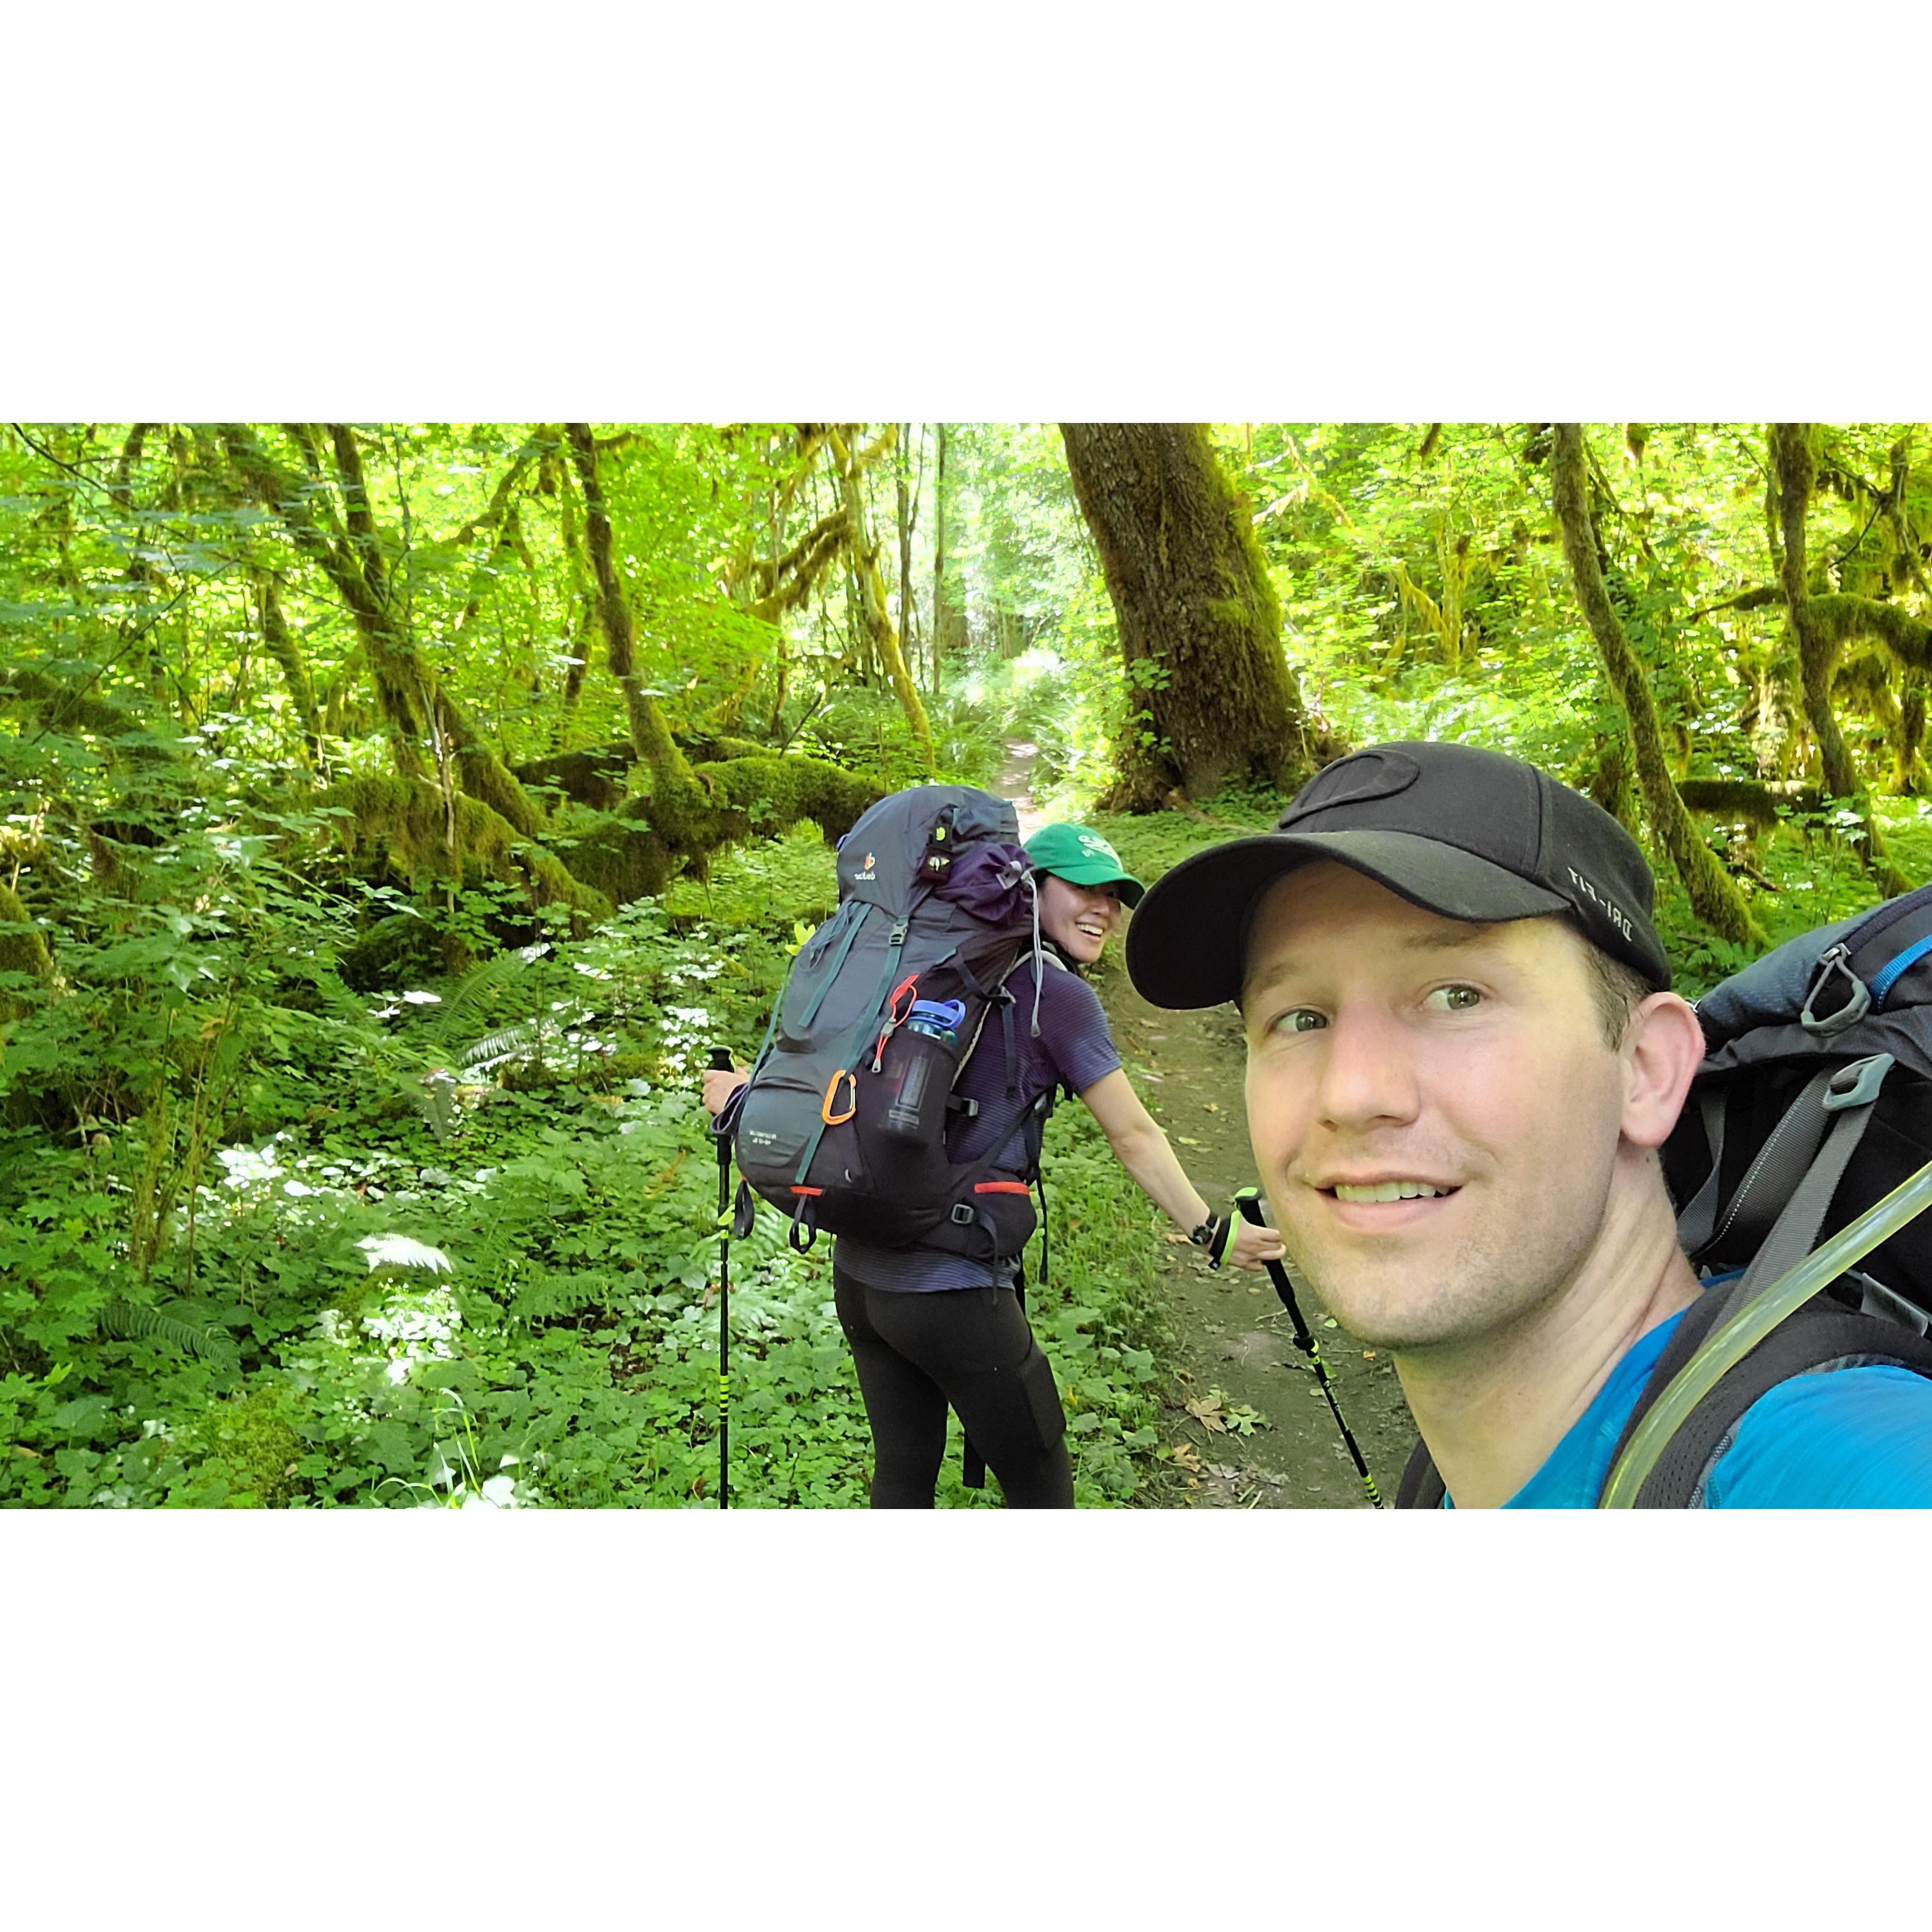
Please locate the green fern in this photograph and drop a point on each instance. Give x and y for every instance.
(475, 987)
(130, 1322)
(493, 1050)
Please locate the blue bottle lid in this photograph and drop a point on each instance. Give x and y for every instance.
(949, 1014)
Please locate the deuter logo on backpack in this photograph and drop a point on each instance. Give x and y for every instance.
(846, 1123)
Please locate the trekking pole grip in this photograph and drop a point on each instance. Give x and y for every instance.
(721, 1062)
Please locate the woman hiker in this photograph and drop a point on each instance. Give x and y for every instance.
(928, 1329)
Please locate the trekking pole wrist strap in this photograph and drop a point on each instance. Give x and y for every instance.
(1224, 1229)
(1213, 1235)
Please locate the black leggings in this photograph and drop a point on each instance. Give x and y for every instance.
(973, 1347)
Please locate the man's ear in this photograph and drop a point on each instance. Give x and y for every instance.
(1662, 1047)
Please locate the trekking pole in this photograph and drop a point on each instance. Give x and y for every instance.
(1249, 1200)
(721, 1059)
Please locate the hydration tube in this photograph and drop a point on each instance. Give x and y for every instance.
(1744, 1327)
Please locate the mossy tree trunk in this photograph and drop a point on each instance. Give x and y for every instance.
(1200, 625)
(863, 551)
(285, 649)
(692, 810)
(939, 606)
(352, 554)
(23, 950)
(1714, 897)
(1820, 626)
(650, 735)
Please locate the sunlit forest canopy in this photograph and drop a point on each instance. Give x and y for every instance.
(373, 795)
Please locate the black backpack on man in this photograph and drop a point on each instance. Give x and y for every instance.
(1813, 1103)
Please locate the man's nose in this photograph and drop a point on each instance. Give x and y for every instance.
(1368, 1071)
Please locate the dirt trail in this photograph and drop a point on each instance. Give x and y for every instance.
(1232, 1334)
(1015, 782)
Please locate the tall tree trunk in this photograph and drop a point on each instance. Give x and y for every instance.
(939, 560)
(1819, 643)
(1200, 626)
(1714, 897)
(907, 510)
(349, 552)
(650, 735)
(285, 649)
(864, 554)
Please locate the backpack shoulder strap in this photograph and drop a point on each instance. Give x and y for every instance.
(1420, 1486)
(1822, 1334)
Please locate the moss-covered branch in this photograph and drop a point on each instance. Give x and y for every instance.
(418, 707)
(58, 706)
(1757, 802)
(1837, 618)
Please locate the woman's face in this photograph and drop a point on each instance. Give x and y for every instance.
(1078, 918)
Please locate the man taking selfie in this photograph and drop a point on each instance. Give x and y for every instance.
(1463, 1056)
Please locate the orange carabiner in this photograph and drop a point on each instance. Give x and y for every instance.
(825, 1112)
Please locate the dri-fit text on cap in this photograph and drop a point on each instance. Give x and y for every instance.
(1617, 918)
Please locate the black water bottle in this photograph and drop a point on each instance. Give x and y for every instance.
(931, 1036)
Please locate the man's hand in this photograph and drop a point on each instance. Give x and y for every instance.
(1251, 1246)
(719, 1086)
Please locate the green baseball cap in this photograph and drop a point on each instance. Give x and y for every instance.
(1082, 858)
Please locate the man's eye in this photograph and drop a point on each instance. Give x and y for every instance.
(1301, 1019)
(1455, 999)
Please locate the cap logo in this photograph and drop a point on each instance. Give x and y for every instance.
(1607, 906)
(1352, 781)
(1092, 842)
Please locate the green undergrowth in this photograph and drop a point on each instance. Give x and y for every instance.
(454, 1243)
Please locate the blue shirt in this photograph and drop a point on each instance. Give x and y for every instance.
(1075, 1049)
(1837, 1438)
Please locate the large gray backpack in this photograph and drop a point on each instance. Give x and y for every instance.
(936, 908)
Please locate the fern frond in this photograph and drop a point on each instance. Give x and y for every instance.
(130, 1322)
(510, 1042)
(471, 990)
(402, 1251)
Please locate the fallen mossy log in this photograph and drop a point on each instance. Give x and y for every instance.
(768, 793)
(597, 776)
(408, 827)
(591, 861)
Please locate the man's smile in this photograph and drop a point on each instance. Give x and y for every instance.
(1386, 1190)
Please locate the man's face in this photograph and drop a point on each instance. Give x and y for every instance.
(1391, 1051)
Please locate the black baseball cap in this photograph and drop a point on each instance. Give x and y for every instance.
(1465, 833)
